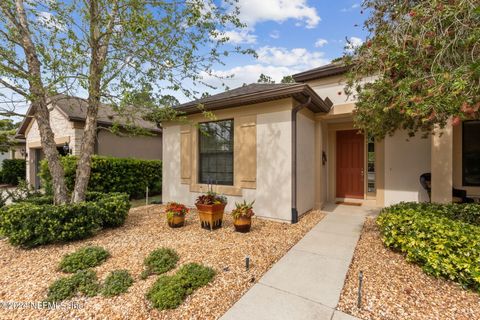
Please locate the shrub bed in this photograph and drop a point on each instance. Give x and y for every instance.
(84, 281)
(30, 224)
(109, 174)
(13, 171)
(437, 238)
(168, 292)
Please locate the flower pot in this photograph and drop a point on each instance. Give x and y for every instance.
(176, 221)
(242, 224)
(211, 215)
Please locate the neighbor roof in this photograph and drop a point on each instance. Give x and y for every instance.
(331, 69)
(255, 93)
(75, 109)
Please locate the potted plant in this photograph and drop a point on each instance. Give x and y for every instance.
(210, 208)
(242, 216)
(176, 214)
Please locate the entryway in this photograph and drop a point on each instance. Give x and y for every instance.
(350, 164)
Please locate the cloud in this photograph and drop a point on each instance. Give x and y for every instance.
(351, 8)
(320, 43)
(274, 34)
(353, 43)
(240, 36)
(254, 11)
(49, 21)
(275, 62)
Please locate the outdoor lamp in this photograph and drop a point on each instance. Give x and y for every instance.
(66, 148)
(23, 152)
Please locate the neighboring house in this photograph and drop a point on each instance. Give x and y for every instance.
(67, 119)
(16, 151)
(293, 147)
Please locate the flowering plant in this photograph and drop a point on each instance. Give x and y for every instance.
(175, 209)
(211, 198)
(243, 210)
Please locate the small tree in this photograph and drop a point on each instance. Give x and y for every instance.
(424, 60)
(112, 50)
(7, 134)
(287, 79)
(265, 79)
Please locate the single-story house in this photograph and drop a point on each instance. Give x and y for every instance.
(67, 119)
(293, 147)
(15, 151)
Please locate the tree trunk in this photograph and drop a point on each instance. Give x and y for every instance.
(39, 106)
(98, 54)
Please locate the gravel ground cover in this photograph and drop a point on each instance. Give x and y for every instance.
(396, 289)
(26, 274)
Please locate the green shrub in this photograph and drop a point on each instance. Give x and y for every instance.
(130, 176)
(29, 224)
(160, 261)
(84, 281)
(194, 276)
(84, 258)
(435, 238)
(117, 282)
(13, 170)
(168, 292)
(468, 212)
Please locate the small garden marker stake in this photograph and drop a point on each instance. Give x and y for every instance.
(247, 263)
(360, 283)
(146, 196)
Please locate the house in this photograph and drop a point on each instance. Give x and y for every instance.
(16, 151)
(293, 147)
(67, 119)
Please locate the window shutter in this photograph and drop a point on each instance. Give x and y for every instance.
(185, 154)
(246, 158)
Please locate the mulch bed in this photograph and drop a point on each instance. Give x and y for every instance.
(396, 289)
(27, 274)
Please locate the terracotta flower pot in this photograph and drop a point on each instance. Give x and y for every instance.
(176, 221)
(211, 216)
(242, 224)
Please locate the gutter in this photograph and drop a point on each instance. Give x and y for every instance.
(295, 110)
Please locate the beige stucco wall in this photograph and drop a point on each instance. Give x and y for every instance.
(405, 161)
(272, 194)
(305, 162)
(139, 147)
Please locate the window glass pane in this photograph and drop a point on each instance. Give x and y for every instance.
(371, 164)
(216, 152)
(471, 153)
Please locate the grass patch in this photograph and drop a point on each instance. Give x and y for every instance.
(84, 281)
(157, 199)
(168, 292)
(160, 261)
(117, 282)
(84, 258)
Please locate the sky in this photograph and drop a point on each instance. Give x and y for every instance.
(290, 36)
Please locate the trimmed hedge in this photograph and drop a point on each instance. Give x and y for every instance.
(109, 174)
(13, 170)
(30, 224)
(437, 238)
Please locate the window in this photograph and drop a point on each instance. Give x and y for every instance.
(371, 164)
(471, 153)
(216, 152)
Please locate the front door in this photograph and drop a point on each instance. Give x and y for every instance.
(350, 164)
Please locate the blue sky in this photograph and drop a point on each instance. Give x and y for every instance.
(291, 36)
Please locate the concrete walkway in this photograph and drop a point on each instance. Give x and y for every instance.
(306, 283)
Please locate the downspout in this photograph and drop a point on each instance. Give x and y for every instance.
(295, 110)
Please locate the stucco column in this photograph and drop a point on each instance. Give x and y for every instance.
(318, 164)
(442, 164)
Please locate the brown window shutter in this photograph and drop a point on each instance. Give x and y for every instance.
(185, 154)
(246, 149)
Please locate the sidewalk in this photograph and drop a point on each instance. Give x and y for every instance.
(306, 283)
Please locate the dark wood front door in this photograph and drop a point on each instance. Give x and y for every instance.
(350, 164)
